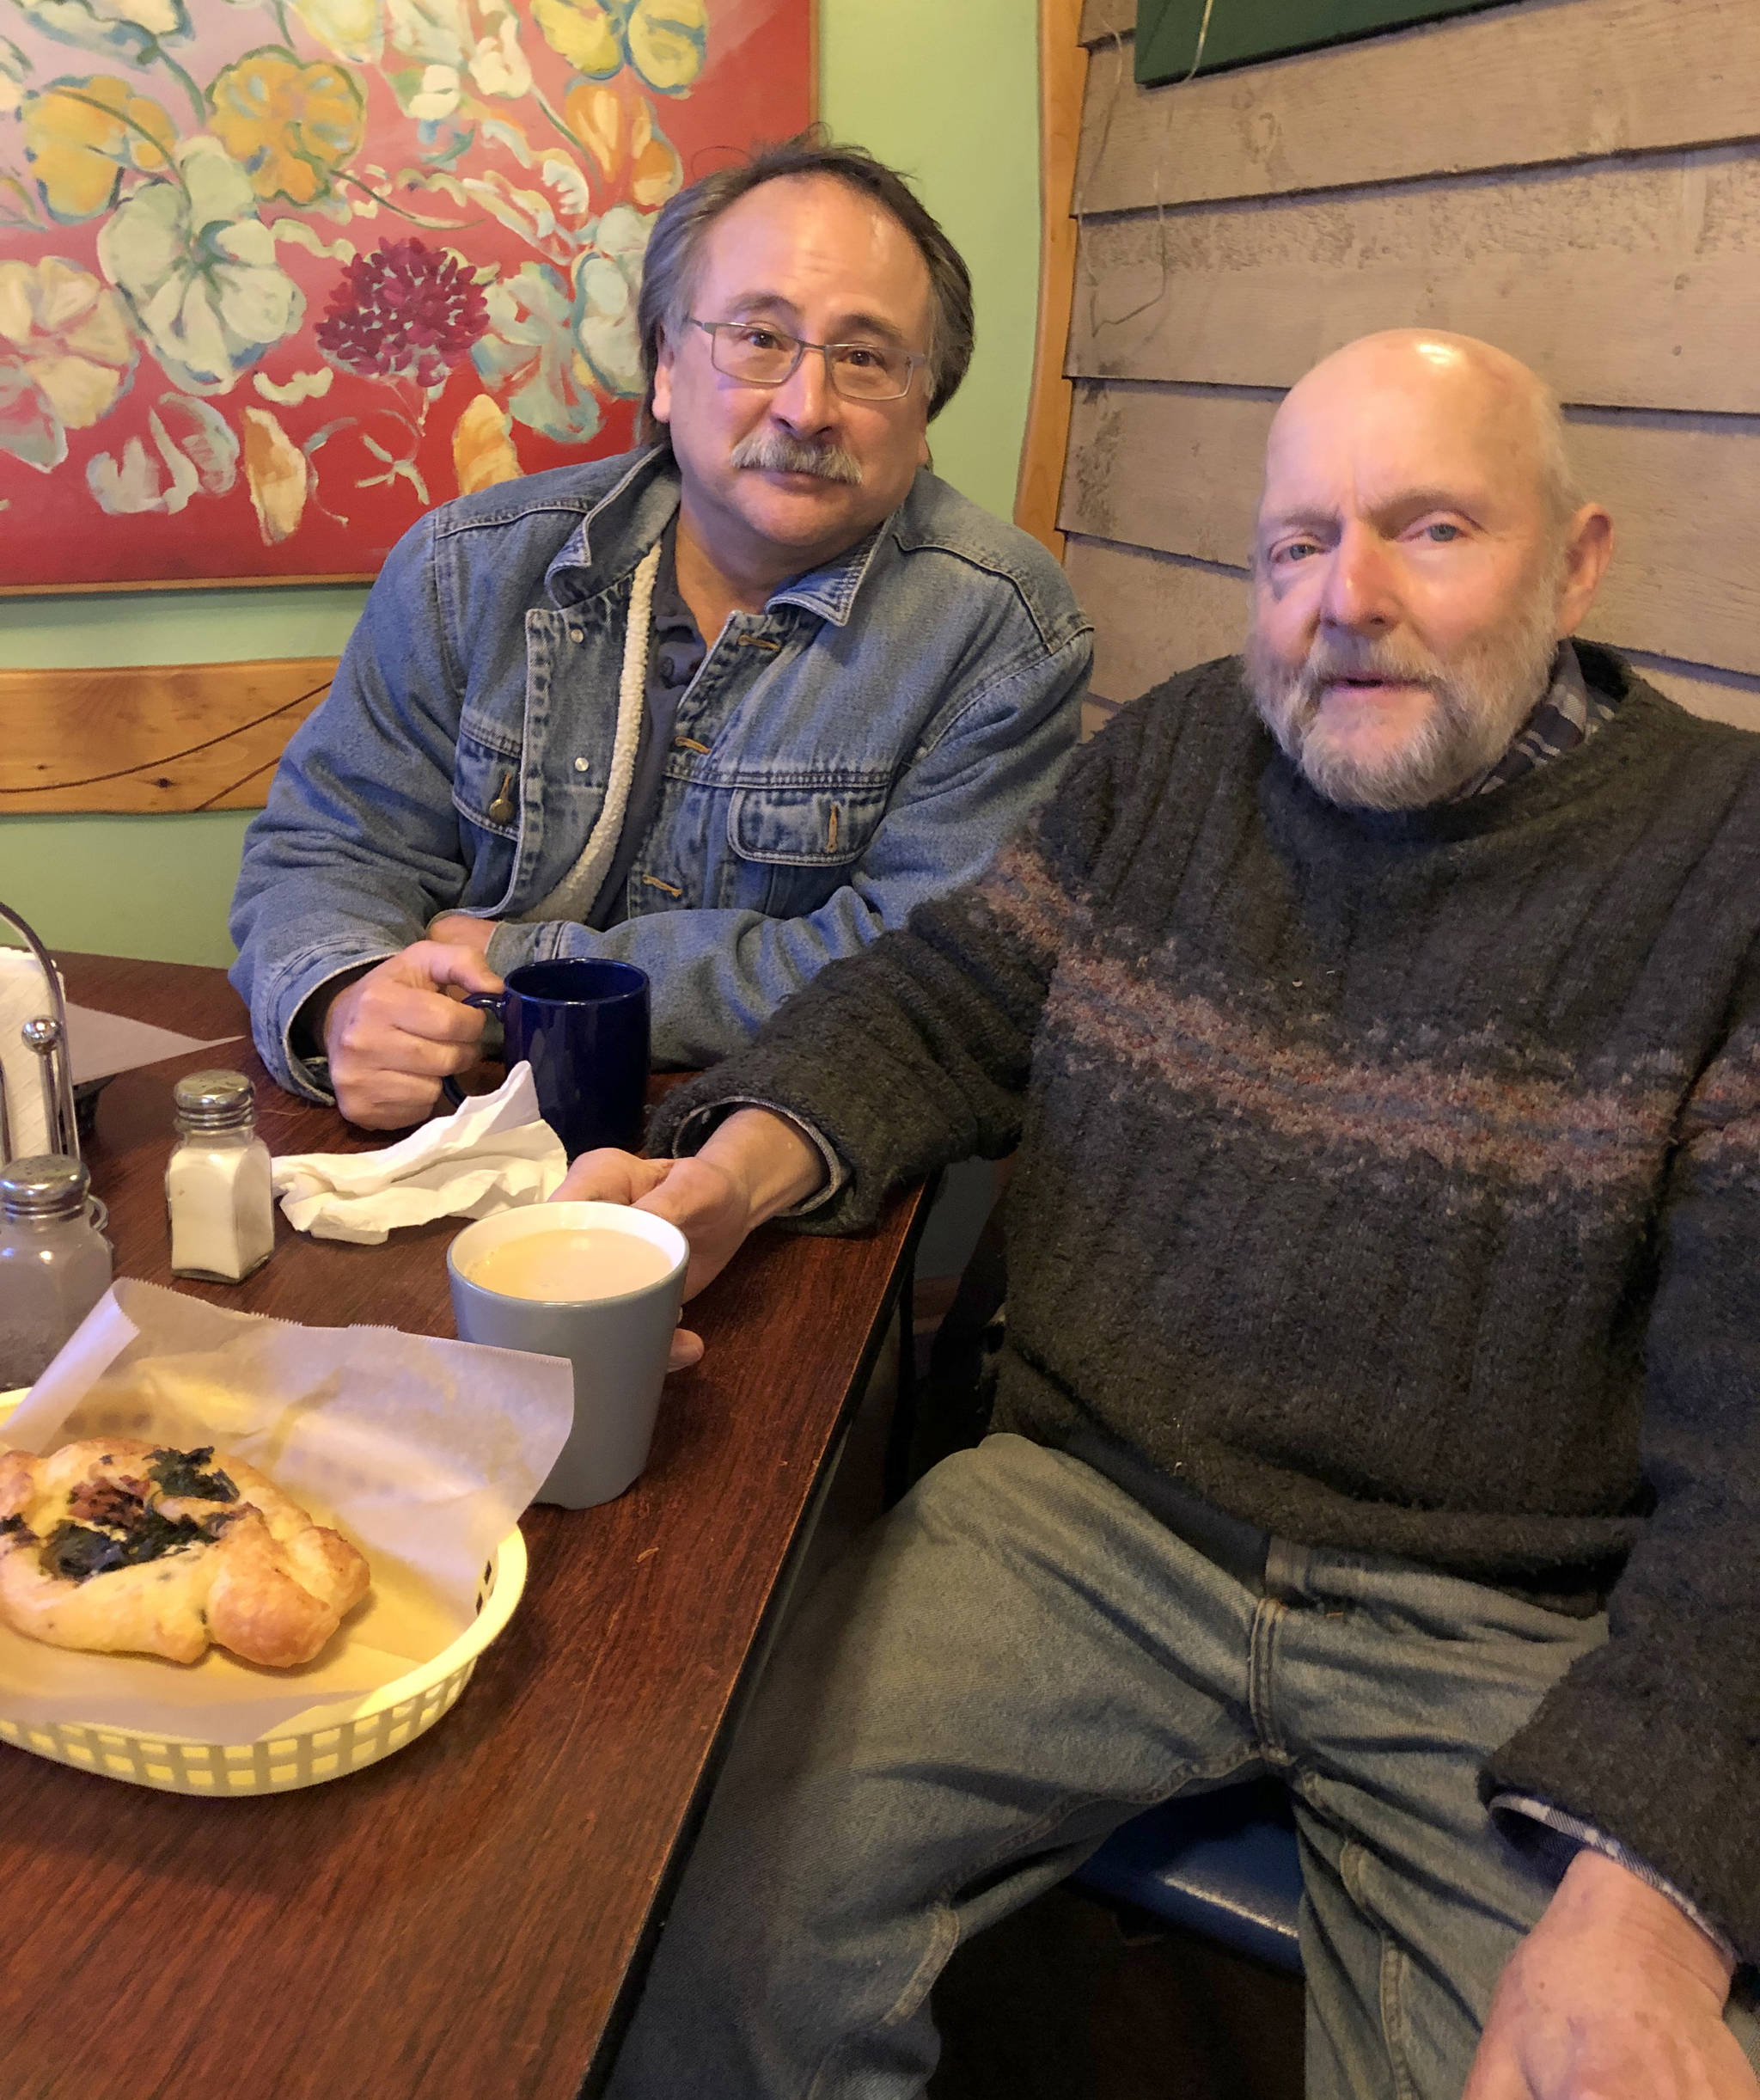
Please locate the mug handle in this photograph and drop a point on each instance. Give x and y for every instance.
(489, 1002)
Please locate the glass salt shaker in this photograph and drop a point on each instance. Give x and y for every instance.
(217, 1184)
(55, 1263)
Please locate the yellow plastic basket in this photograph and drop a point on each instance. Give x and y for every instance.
(383, 1722)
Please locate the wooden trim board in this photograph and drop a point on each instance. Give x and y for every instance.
(158, 738)
(1063, 73)
(1486, 91)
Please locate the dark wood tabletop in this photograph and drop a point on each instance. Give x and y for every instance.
(467, 1920)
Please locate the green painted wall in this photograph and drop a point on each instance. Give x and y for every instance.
(948, 93)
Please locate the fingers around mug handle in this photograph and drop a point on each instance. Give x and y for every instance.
(490, 1002)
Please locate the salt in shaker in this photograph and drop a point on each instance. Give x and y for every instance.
(55, 1263)
(217, 1184)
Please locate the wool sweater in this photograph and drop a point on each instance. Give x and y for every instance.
(1393, 1180)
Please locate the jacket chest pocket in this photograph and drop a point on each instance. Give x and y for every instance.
(793, 846)
(486, 779)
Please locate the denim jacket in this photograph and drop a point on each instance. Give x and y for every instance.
(865, 741)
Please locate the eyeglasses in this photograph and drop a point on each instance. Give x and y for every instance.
(758, 355)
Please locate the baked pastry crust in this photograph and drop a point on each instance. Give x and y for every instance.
(247, 1570)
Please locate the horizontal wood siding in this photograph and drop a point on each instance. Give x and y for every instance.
(1632, 284)
(1545, 81)
(1576, 180)
(1177, 468)
(1156, 613)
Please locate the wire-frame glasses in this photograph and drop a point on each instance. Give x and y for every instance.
(758, 355)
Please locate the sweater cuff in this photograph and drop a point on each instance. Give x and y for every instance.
(1557, 1829)
(696, 1130)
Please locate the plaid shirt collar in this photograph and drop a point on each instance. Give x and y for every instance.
(1567, 715)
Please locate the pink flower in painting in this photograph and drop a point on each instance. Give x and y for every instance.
(405, 311)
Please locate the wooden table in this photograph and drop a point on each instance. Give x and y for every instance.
(468, 1920)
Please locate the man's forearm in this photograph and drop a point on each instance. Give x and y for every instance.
(770, 1157)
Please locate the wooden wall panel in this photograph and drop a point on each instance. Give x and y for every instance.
(1548, 80)
(1155, 615)
(1578, 180)
(1628, 283)
(172, 738)
(1177, 469)
(1108, 18)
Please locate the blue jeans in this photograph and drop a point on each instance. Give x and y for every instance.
(1016, 1661)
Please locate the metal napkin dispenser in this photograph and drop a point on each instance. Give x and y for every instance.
(36, 1063)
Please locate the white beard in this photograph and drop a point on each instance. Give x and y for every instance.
(1479, 703)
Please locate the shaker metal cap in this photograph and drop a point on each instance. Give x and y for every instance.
(213, 1100)
(43, 1185)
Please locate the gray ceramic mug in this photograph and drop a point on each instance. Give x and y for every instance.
(618, 1346)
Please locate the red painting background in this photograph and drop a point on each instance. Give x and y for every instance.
(756, 84)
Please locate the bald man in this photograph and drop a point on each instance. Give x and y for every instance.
(1377, 1017)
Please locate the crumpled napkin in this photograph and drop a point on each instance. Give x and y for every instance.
(492, 1154)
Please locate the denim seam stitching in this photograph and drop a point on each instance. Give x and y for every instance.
(912, 1992)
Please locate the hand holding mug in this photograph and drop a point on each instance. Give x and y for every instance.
(752, 1166)
(582, 1025)
(395, 1034)
(709, 1204)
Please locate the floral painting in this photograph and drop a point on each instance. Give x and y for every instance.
(276, 275)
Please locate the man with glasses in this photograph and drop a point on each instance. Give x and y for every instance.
(725, 708)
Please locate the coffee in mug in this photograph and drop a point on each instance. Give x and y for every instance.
(598, 1283)
(569, 1267)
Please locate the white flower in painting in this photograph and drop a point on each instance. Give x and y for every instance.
(301, 387)
(129, 29)
(66, 356)
(606, 286)
(437, 97)
(349, 28)
(438, 32)
(196, 451)
(569, 184)
(528, 355)
(499, 65)
(197, 266)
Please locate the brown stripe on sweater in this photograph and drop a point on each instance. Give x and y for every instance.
(1019, 890)
(1525, 1131)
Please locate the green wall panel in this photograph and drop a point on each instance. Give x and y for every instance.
(1241, 31)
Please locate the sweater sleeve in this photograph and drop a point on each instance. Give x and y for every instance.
(918, 1052)
(1655, 1737)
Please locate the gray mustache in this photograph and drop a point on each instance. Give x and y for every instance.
(775, 452)
(1330, 659)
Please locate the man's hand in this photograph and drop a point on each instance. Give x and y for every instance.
(461, 929)
(393, 1035)
(752, 1166)
(1615, 1995)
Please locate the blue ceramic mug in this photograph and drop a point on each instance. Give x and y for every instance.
(582, 1025)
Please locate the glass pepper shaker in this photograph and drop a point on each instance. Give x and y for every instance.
(217, 1185)
(55, 1263)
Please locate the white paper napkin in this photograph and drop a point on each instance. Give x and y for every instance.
(492, 1154)
(24, 996)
